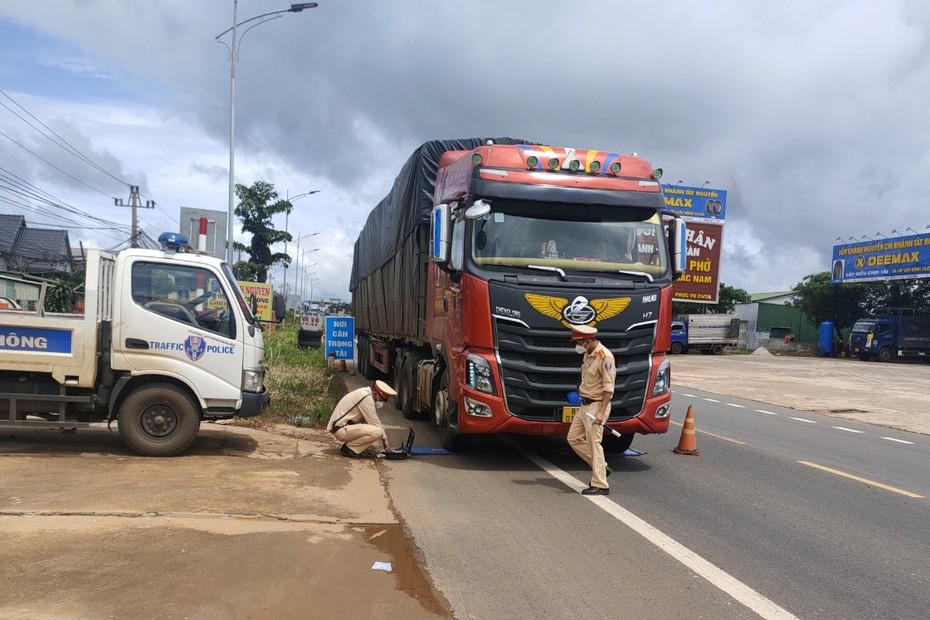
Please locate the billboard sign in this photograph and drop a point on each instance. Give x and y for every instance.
(695, 202)
(262, 292)
(903, 258)
(701, 282)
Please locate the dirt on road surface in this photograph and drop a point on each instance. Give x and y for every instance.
(887, 394)
(247, 524)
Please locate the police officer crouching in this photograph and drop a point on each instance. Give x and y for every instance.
(355, 420)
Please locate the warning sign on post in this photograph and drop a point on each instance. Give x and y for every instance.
(340, 337)
(311, 321)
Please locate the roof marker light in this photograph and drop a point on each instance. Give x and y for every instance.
(657, 174)
(571, 161)
(532, 161)
(553, 163)
(476, 159)
(615, 167)
(595, 166)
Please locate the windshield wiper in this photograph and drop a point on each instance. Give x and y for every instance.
(547, 268)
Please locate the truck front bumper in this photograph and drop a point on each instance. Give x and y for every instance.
(253, 403)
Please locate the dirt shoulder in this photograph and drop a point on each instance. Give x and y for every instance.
(892, 395)
(247, 524)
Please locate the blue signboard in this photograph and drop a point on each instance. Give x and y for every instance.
(340, 337)
(703, 202)
(35, 340)
(903, 258)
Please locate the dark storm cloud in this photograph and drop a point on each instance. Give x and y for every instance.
(812, 114)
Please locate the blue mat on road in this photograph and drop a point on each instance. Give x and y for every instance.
(425, 451)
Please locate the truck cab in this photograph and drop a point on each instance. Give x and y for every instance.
(679, 337)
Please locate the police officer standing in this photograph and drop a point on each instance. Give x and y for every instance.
(355, 420)
(598, 373)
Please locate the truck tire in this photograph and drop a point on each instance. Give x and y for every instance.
(449, 437)
(676, 348)
(617, 445)
(886, 354)
(402, 383)
(716, 349)
(158, 419)
(864, 356)
(364, 364)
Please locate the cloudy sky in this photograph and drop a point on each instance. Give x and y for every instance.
(813, 114)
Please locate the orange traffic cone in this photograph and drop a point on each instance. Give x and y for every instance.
(688, 442)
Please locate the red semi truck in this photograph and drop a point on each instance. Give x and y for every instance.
(468, 275)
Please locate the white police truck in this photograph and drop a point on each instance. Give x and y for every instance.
(164, 341)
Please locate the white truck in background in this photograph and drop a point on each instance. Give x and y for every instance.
(707, 333)
(166, 340)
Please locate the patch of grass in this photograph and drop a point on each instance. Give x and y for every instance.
(303, 390)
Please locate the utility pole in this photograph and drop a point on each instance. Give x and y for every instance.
(135, 203)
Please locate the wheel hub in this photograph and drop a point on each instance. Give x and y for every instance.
(159, 421)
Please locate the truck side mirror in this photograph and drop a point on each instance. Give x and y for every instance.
(440, 234)
(678, 246)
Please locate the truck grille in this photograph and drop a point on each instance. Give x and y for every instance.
(540, 367)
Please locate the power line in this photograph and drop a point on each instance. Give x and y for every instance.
(60, 142)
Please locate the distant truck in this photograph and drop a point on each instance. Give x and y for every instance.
(165, 340)
(707, 333)
(468, 276)
(888, 337)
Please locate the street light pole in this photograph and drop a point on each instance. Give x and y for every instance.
(297, 269)
(233, 59)
(286, 217)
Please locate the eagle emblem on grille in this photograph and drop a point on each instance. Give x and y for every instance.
(580, 311)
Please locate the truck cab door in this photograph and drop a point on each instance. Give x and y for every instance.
(174, 318)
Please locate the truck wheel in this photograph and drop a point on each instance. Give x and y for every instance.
(617, 445)
(717, 349)
(404, 399)
(442, 413)
(864, 356)
(886, 354)
(158, 420)
(676, 348)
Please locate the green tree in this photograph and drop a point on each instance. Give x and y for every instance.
(257, 206)
(63, 294)
(727, 299)
(822, 301)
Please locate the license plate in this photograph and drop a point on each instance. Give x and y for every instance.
(568, 414)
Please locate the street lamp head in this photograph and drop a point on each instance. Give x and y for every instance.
(297, 8)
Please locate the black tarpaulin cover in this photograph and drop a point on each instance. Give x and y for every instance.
(389, 266)
(407, 206)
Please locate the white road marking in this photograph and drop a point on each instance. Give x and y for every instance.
(911, 443)
(736, 441)
(690, 395)
(711, 400)
(735, 405)
(720, 579)
(804, 420)
(866, 481)
(766, 412)
(848, 430)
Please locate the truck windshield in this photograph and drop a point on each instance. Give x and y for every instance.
(863, 326)
(569, 238)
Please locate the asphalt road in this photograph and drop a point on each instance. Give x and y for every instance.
(796, 512)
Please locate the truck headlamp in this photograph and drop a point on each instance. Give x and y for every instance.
(663, 379)
(253, 380)
(478, 373)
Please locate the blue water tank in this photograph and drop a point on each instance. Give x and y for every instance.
(825, 339)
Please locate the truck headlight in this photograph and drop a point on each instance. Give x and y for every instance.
(663, 379)
(478, 373)
(253, 380)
